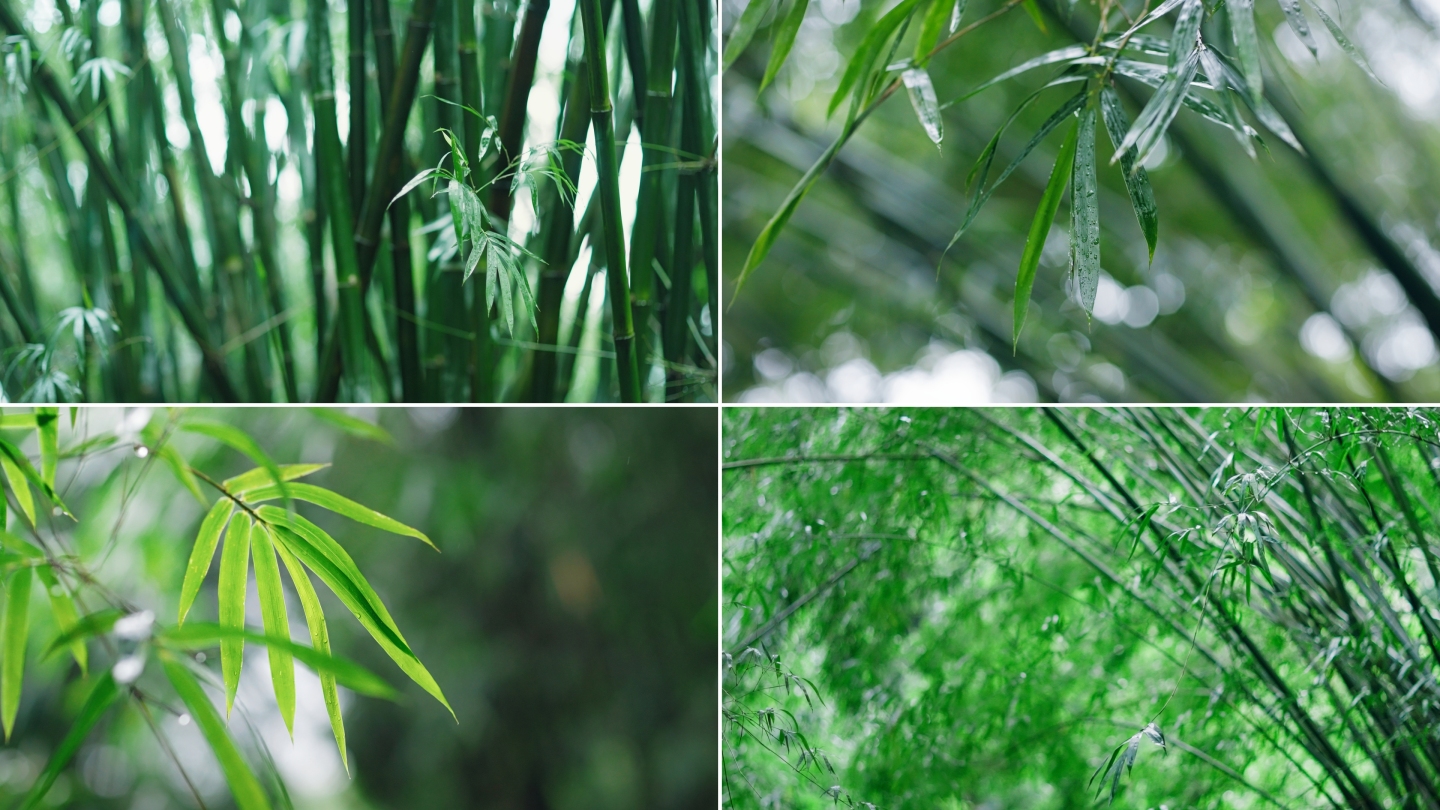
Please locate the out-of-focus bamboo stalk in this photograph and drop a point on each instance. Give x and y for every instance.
(608, 189)
(407, 340)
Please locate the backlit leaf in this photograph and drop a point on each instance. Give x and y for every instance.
(277, 623)
(260, 477)
(320, 641)
(234, 565)
(745, 30)
(244, 787)
(1040, 230)
(353, 425)
(203, 553)
(18, 485)
(784, 40)
(239, 440)
(200, 635)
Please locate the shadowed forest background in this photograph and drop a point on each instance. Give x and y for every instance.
(968, 609)
(1287, 277)
(569, 616)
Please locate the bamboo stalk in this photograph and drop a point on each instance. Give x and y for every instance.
(514, 112)
(608, 190)
(482, 359)
(446, 295)
(355, 13)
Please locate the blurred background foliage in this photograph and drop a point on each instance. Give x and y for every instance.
(569, 616)
(972, 608)
(1282, 278)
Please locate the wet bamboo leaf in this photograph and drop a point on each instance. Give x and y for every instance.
(1267, 114)
(243, 785)
(1150, 127)
(922, 98)
(1137, 180)
(203, 553)
(1059, 55)
(857, 72)
(260, 477)
(1247, 44)
(320, 641)
(1296, 17)
(199, 635)
(62, 607)
(1085, 214)
(102, 696)
(1040, 230)
(957, 14)
(784, 40)
(1186, 34)
(1344, 42)
(277, 623)
(234, 565)
(931, 26)
(17, 632)
(1215, 72)
(745, 30)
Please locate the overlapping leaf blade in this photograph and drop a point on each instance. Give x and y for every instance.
(340, 505)
(1150, 127)
(201, 635)
(260, 477)
(1137, 181)
(66, 616)
(203, 553)
(277, 623)
(320, 640)
(784, 40)
(857, 72)
(238, 440)
(1040, 230)
(744, 31)
(1247, 44)
(234, 564)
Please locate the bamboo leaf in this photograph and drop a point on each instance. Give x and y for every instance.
(1344, 42)
(1040, 230)
(234, 565)
(744, 31)
(922, 98)
(320, 641)
(260, 477)
(415, 181)
(342, 505)
(62, 607)
(857, 72)
(102, 696)
(24, 470)
(238, 440)
(1033, 9)
(931, 26)
(47, 424)
(20, 487)
(1085, 215)
(1066, 54)
(1215, 72)
(180, 469)
(1150, 127)
(1137, 181)
(277, 623)
(200, 635)
(203, 553)
(353, 425)
(1296, 17)
(94, 624)
(1247, 45)
(17, 632)
(784, 40)
(1186, 33)
(244, 787)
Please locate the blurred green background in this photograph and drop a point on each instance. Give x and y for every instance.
(570, 618)
(1282, 278)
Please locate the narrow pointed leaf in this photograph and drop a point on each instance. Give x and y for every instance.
(234, 564)
(200, 635)
(47, 429)
(1247, 44)
(857, 72)
(341, 505)
(62, 607)
(1085, 214)
(18, 467)
(180, 469)
(238, 440)
(1344, 42)
(931, 26)
(410, 186)
(1186, 33)
(1296, 17)
(93, 624)
(203, 553)
(1033, 9)
(922, 98)
(244, 787)
(1150, 127)
(784, 40)
(744, 31)
(1040, 230)
(20, 487)
(320, 640)
(277, 623)
(102, 696)
(353, 425)
(1215, 72)
(1066, 54)
(260, 477)
(17, 632)
(1137, 181)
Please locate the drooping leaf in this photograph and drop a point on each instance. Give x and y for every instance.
(1066, 54)
(353, 425)
(1344, 42)
(1137, 181)
(47, 430)
(857, 72)
(1033, 9)
(17, 632)
(1215, 72)
(744, 31)
(931, 26)
(1150, 127)
(341, 505)
(784, 40)
(180, 469)
(201, 635)
(234, 564)
(259, 477)
(277, 623)
(93, 624)
(18, 465)
(19, 486)
(102, 696)
(1040, 230)
(62, 607)
(1085, 214)
(1295, 16)
(320, 641)
(203, 553)
(414, 181)
(239, 440)
(1186, 33)
(922, 98)
(1247, 44)
(244, 787)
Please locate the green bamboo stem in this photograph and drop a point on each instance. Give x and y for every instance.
(677, 311)
(46, 80)
(695, 48)
(608, 189)
(514, 112)
(407, 341)
(445, 292)
(350, 342)
(634, 30)
(359, 122)
(482, 359)
(499, 33)
(649, 206)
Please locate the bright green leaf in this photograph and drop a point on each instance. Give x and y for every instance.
(66, 616)
(47, 430)
(744, 31)
(17, 632)
(234, 563)
(259, 477)
(203, 553)
(277, 623)
(201, 635)
(320, 640)
(340, 505)
(243, 785)
(784, 40)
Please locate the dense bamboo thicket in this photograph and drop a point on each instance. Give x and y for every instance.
(439, 200)
(945, 202)
(1039, 608)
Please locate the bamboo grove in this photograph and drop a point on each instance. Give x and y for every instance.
(274, 201)
(1046, 608)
